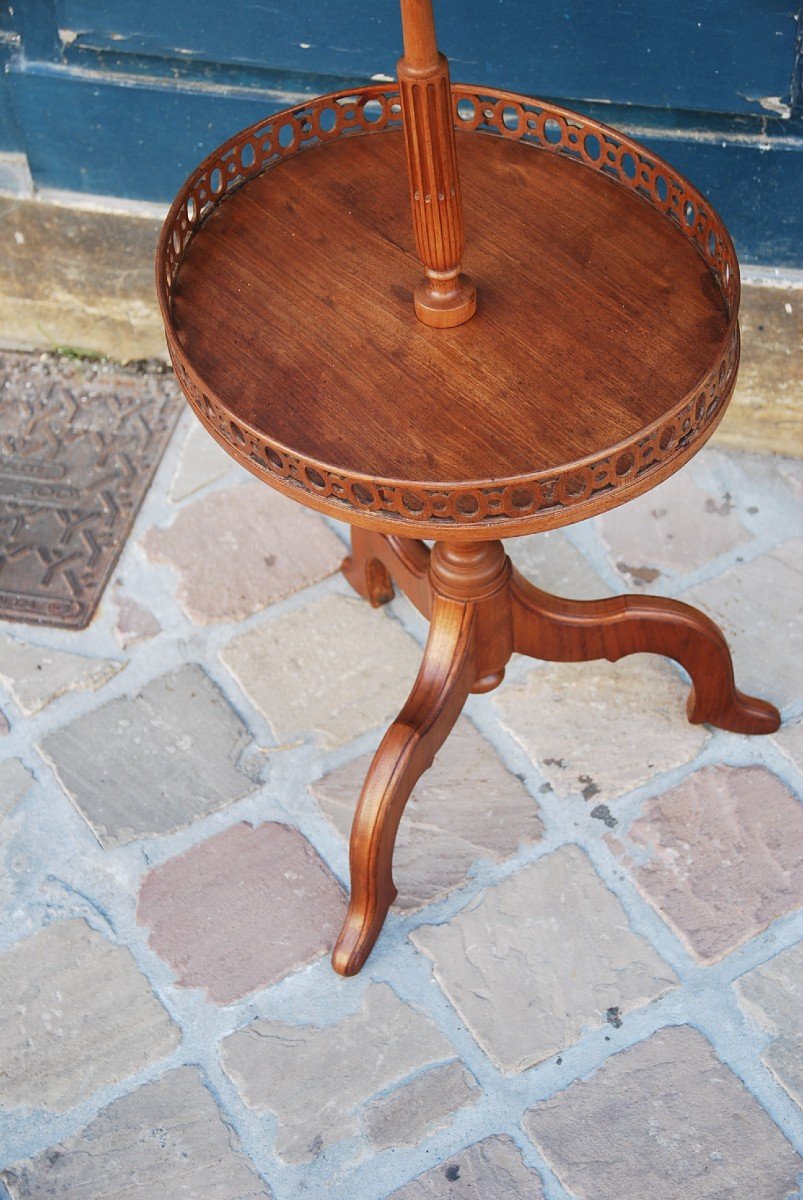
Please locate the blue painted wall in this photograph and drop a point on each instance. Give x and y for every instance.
(122, 97)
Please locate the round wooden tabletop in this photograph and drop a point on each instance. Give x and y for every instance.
(602, 355)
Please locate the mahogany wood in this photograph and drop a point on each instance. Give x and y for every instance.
(602, 355)
(407, 749)
(481, 611)
(377, 562)
(446, 297)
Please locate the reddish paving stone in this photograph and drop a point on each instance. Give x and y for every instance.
(241, 910)
(663, 1119)
(467, 806)
(489, 1170)
(135, 623)
(239, 550)
(718, 856)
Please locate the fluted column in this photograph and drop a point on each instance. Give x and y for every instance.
(445, 297)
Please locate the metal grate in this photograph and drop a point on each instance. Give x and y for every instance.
(79, 444)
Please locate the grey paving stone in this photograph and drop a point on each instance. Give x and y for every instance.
(773, 995)
(466, 807)
(758, 606)
(718, 856)
(489, 1170)
(415, 1110)
(278, 1067)
(672, 529)
(550, 561)
(540, 958)
(36, 675)
(76, 1015)
(258, 546)
(15, 780)
(242, 909)
(164, 1141)
(663, 1119)
(601, 729)
(152, 763)
(201, 461)
(335, 668)
(789, 739)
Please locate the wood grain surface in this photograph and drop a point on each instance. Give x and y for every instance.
(293, 303)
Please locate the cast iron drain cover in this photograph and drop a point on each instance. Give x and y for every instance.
(79, 444)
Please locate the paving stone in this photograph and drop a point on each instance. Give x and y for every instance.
(675, 528)
(242, 909)
(278, 1068)
(718, 856)
(773, 995)
(416, 1109)
(164, 1140)
(467, 806)
(135, 623)
(15, 780)
(601, 729)
(75, 1015)
(335, 668)
(758, 605)
(201, 461)
(789, 740)
(550, 561)
(37, 675)
(540, 958)
(489, 1170)
(664, 1118)
(155, 762)
(239, 550)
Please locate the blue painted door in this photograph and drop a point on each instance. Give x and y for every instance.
(122, 98)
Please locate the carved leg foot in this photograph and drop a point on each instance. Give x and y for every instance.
(407, 749)
(365, 572)
(559, 630)
(377, 562)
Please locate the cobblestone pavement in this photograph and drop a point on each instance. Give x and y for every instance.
(591, 985)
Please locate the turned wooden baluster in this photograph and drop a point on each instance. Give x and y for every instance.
(445, 297)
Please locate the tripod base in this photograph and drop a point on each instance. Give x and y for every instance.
(481, 611)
